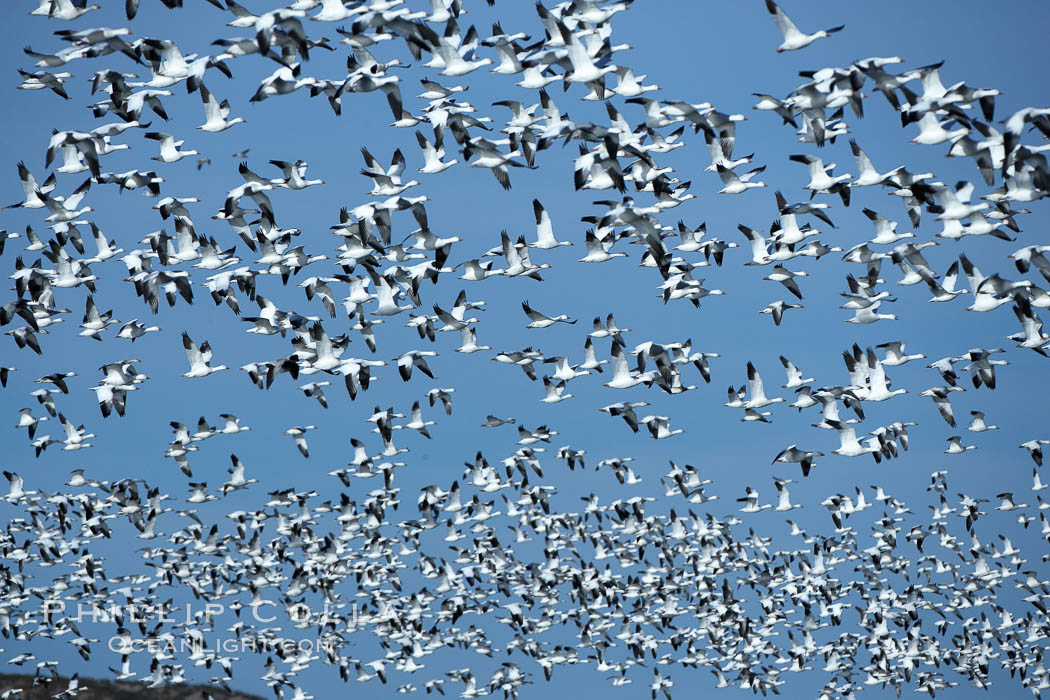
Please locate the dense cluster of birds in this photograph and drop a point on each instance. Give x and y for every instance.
(927, 601)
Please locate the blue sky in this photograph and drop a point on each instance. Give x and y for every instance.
(714, 52)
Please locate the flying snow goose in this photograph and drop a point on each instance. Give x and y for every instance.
(870, 314)
(955, 446)
(27, 420)
(659, 427)
(494, 422)
(433, 154)
(792, 455)
(943, 291)
(470, 341)
(737, 184)
(756, 391)
(216, 114)
(895, 354)
(820, 179)
(623, 377)
(298, 434)
(295, 175)
(133, 330)
(237, 479)
(750, 501)
(598, 250)
(95, 322)
(198, 358)
(417, 359)
(169, 147)
(794, 38)
(940, 397)
(545, 239)
(787, 278)
(977, 424)
(777, 309)
(849, 446)
(867, 175)
(885, 229)
(794, 374)
(554, 392)
(539, 320)
(489, 156)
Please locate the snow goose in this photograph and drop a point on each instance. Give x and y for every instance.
(885, 229)
(30, 188)
(625, 410)
(416, 422)
(944, 291)
(64, 9)
(231, 425)
(878, 384)
(659, 427)
(785, 108)
(794, 374)
(787, 278)
(1035, 450)
(298, 434)
(932, 132)
(1032, 335)
(870, 315)
(336, 11)
(554, 392)
(476, 271)
(737, 184)
(95, 322)
(756, 391)
(598, 250)
(494, 422)
(76, 436)
(470, 342)
(977, 424)
(794, 38)
(169, 147)
(955, 203)
(777, 308)
(895, 354)
(454, 63)
(590, 360)
(545, 239)
(198, 358)
(27, 420)
(867, 175)
(820, 180)
(433, 154)
(237, 479)
(716, 150)
(630, 85)
(623, 377)
(784, 503)
(940, 397)
(489, 156)
(295, 175)
(849, 446)
(414, 358)
(133, 330)
(750, 501)
(539, 320)
(751, 415)
(216, 114)
(955, 446)
(583, 68)
(103, 245)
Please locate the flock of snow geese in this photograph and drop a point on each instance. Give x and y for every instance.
(491, 562)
